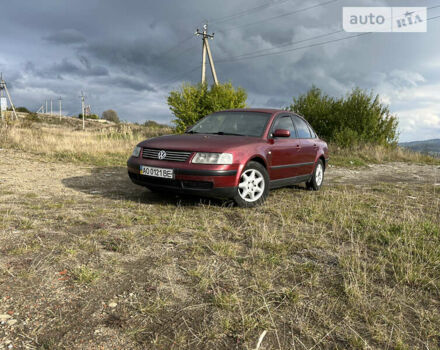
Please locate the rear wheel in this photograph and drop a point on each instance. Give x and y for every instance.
(253, 188)
(317, 179)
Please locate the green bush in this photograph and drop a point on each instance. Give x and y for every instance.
(20, 109)
(155, 125)
(193, 102)
(91, 116)
(358, 118)
(111, 116)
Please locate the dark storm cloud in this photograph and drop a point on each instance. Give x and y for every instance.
(66, 67)
(126, 82)
(65, 37)
(137, 51)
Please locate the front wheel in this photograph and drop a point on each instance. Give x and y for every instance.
(253, 188)
(317, 179)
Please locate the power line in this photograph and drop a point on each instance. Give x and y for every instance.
(175, 46)
(180, 75)
(182, 52)
(293, 49)
(254, 54)
(249, 56)
(278, 16)
(247, 11)
(284, 45)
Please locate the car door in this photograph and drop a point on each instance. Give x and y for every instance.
(284, 150)
(309, 146)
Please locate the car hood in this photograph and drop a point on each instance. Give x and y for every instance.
(200, 142)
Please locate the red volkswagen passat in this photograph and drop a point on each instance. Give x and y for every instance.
(238, 154)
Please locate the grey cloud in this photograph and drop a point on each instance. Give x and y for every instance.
(65, 37)
(85, 61)
(127, 82)
(67, 67)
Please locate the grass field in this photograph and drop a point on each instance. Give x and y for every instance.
(90, 261)
(111, 144)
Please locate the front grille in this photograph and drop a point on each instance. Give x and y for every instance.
(172, 156)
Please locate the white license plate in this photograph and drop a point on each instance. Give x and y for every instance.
(157, 172)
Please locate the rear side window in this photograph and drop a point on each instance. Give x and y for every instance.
(286, 124)
(302, 128)
(314, 136)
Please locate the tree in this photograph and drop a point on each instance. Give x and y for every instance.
(110, 115)
(193, 102)
(359, 117)
(20, 109)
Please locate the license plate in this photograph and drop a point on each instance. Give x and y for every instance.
(157, 172)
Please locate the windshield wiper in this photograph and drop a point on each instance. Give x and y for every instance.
(191, 132)
(225, 133)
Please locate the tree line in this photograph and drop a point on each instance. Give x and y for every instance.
(357, 118)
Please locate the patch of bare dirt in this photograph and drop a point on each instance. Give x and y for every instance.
(388, 172)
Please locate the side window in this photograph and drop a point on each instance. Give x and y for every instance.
(314, 136)
(285, 123)
(302, 128)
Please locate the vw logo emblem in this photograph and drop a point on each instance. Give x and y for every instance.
(161, 155)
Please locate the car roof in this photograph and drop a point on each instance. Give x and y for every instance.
(258, 110)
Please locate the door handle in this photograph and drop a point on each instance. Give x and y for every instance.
(315, 146)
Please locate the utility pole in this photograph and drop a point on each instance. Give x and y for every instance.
(60, 99)
(82, 109)
(46, 108)
(204, 61)
(3, 87)
(3, 103)
(51, 107)
(206, 49)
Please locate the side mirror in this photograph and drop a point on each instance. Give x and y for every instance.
(281, 133)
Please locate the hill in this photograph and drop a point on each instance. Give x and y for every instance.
(431, 147)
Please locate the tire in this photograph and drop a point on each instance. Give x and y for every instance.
(253, 188)
(315, 183)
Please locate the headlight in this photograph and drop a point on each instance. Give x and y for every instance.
(212, 158)
(136, 152)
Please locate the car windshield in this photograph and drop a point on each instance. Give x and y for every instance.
(232, 123)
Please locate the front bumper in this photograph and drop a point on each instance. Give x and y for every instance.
(217, 181)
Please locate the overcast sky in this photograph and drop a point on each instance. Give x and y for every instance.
(127, 55)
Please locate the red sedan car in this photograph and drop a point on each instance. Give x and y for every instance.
(238, 154)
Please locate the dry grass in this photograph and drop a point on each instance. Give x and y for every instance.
(89, 260)
(367, 154)
(344, 268)
(112, 144)
(98, 144)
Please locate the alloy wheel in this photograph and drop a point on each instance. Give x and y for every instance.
(319, 173)
(251, 186)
